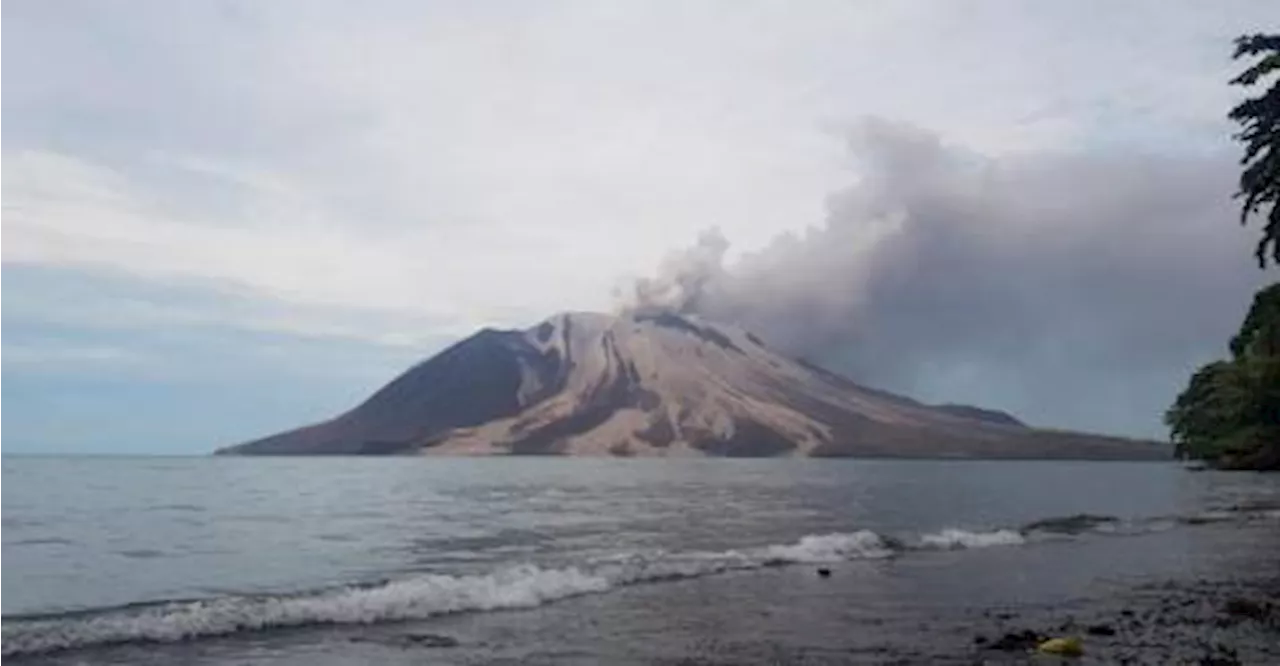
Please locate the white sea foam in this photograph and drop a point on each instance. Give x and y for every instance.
(430, 595)
(522, 586)
(414, 598)
(957, 538)
(830, 548)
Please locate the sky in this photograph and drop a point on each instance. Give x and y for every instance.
(223, 219)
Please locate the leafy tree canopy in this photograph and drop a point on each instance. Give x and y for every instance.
(1260, 120)
(1229, 413)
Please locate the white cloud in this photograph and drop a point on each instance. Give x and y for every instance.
(479, 164)
(465, 164)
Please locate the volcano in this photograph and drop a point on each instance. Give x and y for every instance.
(657, 383)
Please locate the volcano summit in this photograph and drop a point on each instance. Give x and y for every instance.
(656, 383)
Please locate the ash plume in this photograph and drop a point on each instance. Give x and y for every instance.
(1076, 289)
(684, 278)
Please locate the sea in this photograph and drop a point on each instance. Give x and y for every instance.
(543, 560)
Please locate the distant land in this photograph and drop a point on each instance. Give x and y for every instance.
(656, 383)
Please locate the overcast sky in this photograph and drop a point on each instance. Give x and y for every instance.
(226, 218)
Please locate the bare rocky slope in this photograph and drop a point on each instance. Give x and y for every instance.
(660, 384)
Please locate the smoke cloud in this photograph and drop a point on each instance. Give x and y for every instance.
(1073, 289)
(685, 277)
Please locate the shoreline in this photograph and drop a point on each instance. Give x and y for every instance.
(1218, 606)
(509, 562)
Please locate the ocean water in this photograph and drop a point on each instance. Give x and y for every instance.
(298, 560)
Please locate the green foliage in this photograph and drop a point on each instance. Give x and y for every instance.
(1210, 406)
(1260, 333)
(1229, 413)
(1260, 120)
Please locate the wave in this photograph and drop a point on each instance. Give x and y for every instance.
(413, 598)
(863, 544)
(954, 538)
(1082, 523)
(1073, 524)
(523, 586)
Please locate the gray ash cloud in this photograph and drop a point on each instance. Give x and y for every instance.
(1073, 288)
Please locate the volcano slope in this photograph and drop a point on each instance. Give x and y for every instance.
(660, 384)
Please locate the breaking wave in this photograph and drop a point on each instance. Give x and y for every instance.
(413, 598)
(831, 548)
(953, 538)
(523, 586)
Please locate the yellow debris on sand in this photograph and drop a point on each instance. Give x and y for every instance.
(1067, 647)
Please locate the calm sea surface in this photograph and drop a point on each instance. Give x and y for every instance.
(173, 553)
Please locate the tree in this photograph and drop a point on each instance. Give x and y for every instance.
(1260, 120)
(1210, 408)
(1229, 413)
(1260, 333)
